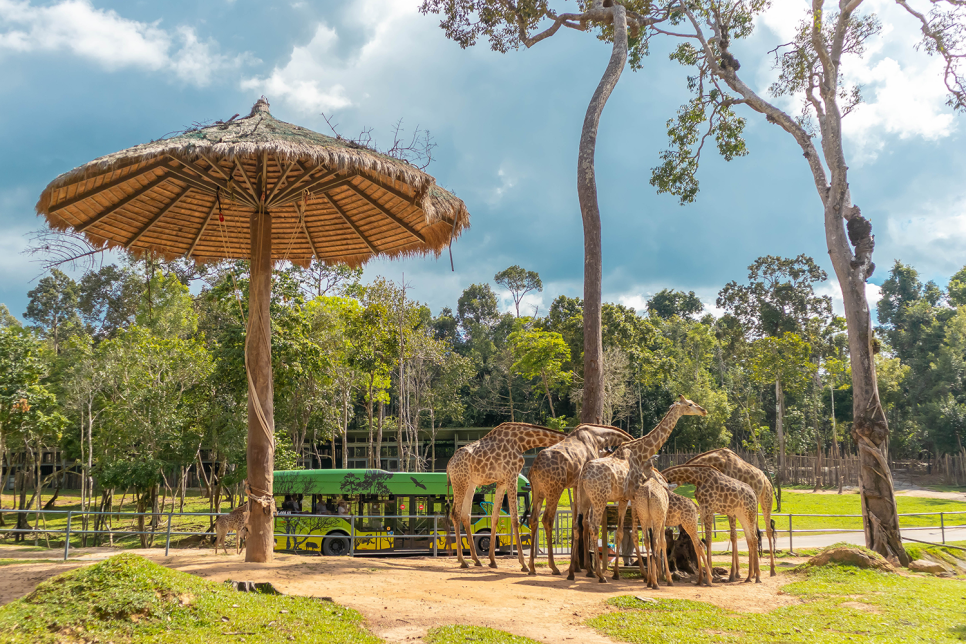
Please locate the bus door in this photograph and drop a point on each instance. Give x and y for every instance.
(422, 524)
(403, 508)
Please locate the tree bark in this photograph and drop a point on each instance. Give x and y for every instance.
(592, 405)
(261, 418)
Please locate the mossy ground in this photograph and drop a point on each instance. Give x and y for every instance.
(456, 634)
(130, 599)
(839, 604)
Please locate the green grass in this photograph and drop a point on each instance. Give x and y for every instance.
(840, 603)
(128, 599)
(801, 503)
(456, 634)
(123, 525)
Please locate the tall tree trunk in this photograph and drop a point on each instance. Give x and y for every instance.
(592, 405)
(780, 428)
(261, 410)
(870, 430)
(549, 399)
(378, 450)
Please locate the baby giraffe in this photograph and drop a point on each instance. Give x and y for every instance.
(720, 494)
(649, 502)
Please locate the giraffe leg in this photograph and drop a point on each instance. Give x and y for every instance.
(456, 518)
(635, 525)
(549, 516)
(766, 510)
(576, 529)
(466, 513)
(515, 524)
(495, 522)
(576, 545)
(662, 548)
(535, 530)
(618, 536)
(692, 529)
(751, 538)
(591, 555)
(708, 522)
(735, 563)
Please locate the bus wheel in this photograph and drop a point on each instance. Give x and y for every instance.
(483, 542)
(335, 546)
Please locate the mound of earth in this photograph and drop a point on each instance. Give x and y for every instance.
(849, 555)
(128, 599)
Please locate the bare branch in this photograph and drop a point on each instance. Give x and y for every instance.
(55, 248)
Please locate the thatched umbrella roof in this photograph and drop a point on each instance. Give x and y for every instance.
(169, 196)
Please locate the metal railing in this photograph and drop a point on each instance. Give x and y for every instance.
(441, 536)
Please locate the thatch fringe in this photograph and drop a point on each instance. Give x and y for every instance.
(251, 137)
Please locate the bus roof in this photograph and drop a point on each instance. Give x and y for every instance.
(381, 482)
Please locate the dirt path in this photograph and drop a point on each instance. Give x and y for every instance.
(402, 598)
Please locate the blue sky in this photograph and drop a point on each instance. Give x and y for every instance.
(80, 78)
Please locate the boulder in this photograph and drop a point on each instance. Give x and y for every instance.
(923, 565)
(851, 556)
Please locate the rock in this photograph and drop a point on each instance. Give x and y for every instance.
(851, 556)
(922, 565)
(649, 600)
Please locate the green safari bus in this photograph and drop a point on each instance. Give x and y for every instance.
(390, 512)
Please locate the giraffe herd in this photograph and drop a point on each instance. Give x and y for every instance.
(724, 484)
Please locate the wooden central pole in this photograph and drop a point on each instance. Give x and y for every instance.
(261, 426)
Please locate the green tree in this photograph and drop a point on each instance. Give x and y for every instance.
(667, 303)
(540, 354)
(519, 282)
(6, 319)
(53, 307)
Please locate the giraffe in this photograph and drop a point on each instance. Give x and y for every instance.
(683, 512)
(720, 494)
(649, 504)
(730, 464)
(602, 480)
(556, 469)
(236, 521)
(495, 458)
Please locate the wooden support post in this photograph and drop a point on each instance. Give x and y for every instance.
(261, 426)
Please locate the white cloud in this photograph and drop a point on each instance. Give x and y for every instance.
(902, 88)
(109, 40)
(298, 84)
(933, 238)
(316, 79)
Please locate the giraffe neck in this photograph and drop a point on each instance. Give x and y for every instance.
(534, 437)
(649, 445)
(696, 474)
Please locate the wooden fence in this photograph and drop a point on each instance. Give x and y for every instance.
(824, 471)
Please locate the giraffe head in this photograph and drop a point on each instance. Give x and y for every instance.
(689, 407)
(639, 473)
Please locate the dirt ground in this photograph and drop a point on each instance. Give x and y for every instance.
(402, 598)
(902, 489)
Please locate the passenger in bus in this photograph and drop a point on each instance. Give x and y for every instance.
(288, 505)
(343, 507)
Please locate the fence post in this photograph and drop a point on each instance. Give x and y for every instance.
(167, 541)
(942, 526)
(352, 537)
(70, 513)
(791, 549)
(436, 535)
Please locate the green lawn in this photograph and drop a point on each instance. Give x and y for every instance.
(70, 500)
(803, 503)
(128, 599)
(840, 603)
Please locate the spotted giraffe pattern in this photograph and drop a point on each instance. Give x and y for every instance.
(604, 480)
(556, 469)
(730, 464)
(649, 506)
(720, 494)
(235, 521)
(681, 511)
(495, 458)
